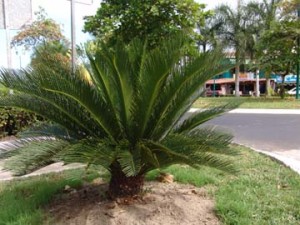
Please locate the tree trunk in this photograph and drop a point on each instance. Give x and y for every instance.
(237, 80)
(282, 93)
(122, 186)
(237, 71)
(268, 86)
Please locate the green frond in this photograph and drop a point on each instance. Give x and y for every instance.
(203, 140)
(33, 155)
(49, 129)
(49, 111)
(102, 74)
(155, 69)
(208, 147)
(89, 152)
(130, 163)
(86, 96)
(198, 118)
(148, 157)
(183, 89)
(215, 161)
(32, 97)
(165, 156)
(115, 76)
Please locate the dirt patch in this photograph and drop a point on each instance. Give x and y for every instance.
(8, 138)
(162, 204)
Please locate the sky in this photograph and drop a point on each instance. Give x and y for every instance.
(59, 10)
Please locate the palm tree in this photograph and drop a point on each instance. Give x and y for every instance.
(233, 32)
(264, 13)
(130, 117)
(207, 34)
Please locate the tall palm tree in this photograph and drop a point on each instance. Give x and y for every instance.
(207, 34)
(234, 33)
(130, 117)
(264, 14)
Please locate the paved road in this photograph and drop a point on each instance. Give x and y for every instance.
(269, 132)
(274, 133)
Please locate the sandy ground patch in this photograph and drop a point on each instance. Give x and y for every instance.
(162, 204)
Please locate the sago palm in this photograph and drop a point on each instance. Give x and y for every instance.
(130, 117)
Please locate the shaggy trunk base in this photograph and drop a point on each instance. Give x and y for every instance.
(122, 186)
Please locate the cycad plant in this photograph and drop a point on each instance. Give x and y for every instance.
(129, 117)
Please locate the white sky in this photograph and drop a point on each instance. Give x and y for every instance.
(59, 10)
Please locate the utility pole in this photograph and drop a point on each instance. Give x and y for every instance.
(257, 94)
(237, 57)
(298, 53)
(73, 29)
(73, 36)
(7, 32)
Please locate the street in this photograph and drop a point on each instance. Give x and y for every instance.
(268, 132)
(276, 134)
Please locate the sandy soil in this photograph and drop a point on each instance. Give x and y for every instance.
(161, 204)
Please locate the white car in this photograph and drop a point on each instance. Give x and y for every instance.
(293, 91)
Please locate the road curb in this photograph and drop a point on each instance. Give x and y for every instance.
(258, 111)
(293, 164)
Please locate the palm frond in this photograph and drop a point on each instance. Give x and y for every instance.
(130, 163)
(87, 96)
(155, 69)
(102, 74)
(49, 111)
(202, 116)
(89, 152)
(49, 129)
(34, 155)
(207, 139)
(30, 92)
(183, 89)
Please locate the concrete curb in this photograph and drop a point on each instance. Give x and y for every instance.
(293, 164)
(267, 111)
(259, 111)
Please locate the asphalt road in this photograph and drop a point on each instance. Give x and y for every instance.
(268, 132)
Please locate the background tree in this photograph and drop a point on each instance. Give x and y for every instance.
(154, 20)
(277, 46)
(264, 14)
(233, 32)
(207, 34)
(130, 118)
(41, 30)
(43, 36)
(52, 53)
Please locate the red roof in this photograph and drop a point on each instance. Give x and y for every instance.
(231, 80)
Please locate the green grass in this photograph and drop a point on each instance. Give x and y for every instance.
(264, 192)
(251, 102)
(21, 201)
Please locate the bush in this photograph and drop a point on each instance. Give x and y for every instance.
(13, 120)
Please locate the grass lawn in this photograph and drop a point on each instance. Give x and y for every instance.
(251, 102)
(264, 192)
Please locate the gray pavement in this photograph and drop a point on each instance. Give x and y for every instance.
(272, 132)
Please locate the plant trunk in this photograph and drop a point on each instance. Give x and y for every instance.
(237, 80)
(237, 73)
(122, 186)
(268, 87)
(282, 93)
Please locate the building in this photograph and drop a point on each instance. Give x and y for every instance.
(224, 84)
